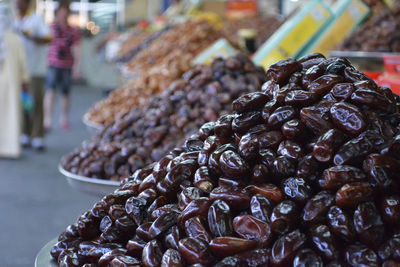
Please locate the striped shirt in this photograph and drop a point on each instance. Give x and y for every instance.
(60, 52)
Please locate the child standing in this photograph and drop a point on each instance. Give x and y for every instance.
(60, 62)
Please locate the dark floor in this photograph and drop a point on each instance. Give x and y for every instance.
(36, 203)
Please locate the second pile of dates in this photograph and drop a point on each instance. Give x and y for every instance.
(381, 33)
(149, 131)
(304, 172)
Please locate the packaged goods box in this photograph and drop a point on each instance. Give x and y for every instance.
(295, 34)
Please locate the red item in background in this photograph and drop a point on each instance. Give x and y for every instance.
(392, 64)
(373, 74)
(240, 8)
(390, 82)
(391, 77)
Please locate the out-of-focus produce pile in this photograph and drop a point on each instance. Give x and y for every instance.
(381, 33)
(155, 67)
(147, 132)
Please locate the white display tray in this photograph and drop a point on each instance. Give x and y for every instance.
(93, 186)
(43, 258)
(92, 127)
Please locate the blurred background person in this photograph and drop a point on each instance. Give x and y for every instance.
(13, 77)
(60, 62)
(35, 36)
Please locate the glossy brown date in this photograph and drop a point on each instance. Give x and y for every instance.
(220, 219)
(251, 228)
(316, 208)
(195, 251)
(286, 247)
(337, 176)
(326, 145)
(280, 72)
(171, 258)
(353, 194)
(348, 118)
(226, 246)
(283, 217)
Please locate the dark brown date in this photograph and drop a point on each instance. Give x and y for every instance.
(360, 255)
(337, 176)
(342, 91)
(300, 98)
(283, 217)
(280, 116)
(232, 165)
(203, 180)
(316, 208)
(368, 224)
(324, 242)
(248, 102)
(220, 219)
(197, 207)
(293, 129)
(340, 223)
(390, 210)
(251, 228)
(236, 198)
(352, 194)
(281, 71)
(307, 258)
(195, 251)
(152, 254)
(326, 145)
(172, 258)
(226, 246)
(315, 120)
(261, 207)
(348, 118)
(286, 247)
(372, 99)
(324, 84)
(194, 227)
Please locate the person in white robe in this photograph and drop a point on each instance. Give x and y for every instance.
(13, 77)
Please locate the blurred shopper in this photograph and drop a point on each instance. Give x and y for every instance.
(35, 37)
(13, 77)
(61, 62)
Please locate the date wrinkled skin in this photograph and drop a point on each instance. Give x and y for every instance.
(304, 172)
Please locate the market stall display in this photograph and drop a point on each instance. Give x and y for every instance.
(132, 46)
(147, 132)
(118, 103)
(381, 33)
(302, 172)
(263, 27)
(155, 67)
(135, 37)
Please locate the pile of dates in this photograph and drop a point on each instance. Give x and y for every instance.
(305, 172)
(381, 33)
(138, 40)
(148, 132)
(164, 60)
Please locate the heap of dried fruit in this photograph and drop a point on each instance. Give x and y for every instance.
(138, 40)
(156, 67)
(381, 33)
(148, 132)
(303, 173)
